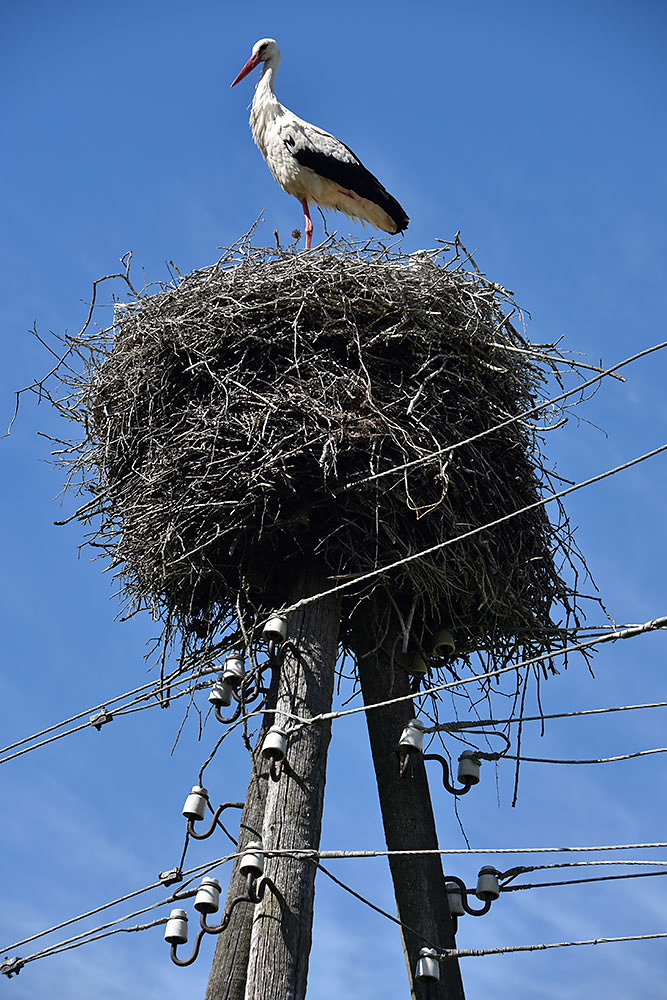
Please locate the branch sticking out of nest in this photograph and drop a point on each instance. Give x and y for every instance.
(224, 414)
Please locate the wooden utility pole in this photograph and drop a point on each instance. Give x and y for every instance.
(282, 922)
(227, 979)
(407, 815)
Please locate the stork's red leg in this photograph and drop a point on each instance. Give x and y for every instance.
(309, 224)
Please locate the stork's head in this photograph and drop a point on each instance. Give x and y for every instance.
(265, 50)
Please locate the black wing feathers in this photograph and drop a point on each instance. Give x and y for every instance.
(355, 177)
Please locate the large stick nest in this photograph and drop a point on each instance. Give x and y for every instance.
(234, 421)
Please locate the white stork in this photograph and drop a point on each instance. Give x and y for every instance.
(312, 164)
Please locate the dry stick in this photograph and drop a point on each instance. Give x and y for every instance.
(474, 531)
(126, 261)
(505, 423)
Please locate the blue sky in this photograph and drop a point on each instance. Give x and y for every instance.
(538, 131)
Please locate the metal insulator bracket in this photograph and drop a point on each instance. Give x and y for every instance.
(100, 719)
(453, 880)
(11, 966)
(171, 876)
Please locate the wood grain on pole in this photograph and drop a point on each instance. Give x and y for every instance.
(227, 979)
(407, 816)
(282, 924)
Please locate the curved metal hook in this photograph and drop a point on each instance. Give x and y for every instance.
(216, 815)
(464, 898)
(254, 894)
(195, 952)
(232, 718)
(406, 758)
(275, 767)
(465, 788)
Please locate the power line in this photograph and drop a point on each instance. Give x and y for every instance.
(465, 724)
(303, 852)
(95, 708)
(316, 856)
(580, 881)
(505, 423)
(124, 710)
(595, 760)
(354, 581)
(82, 938)
(626, 633)
(13, 966)
(300, 721)
(198, 870)
(448, 953)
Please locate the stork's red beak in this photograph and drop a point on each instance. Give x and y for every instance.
(249, 66)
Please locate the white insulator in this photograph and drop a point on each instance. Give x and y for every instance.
(443, 644)
(252, 861)
(207, 899)
(417, 665)
(428, 966)
(454, 899)
(487, 883)
(176, 931)
(275, 629)
(275, 743)
(412, 736)
(221, 692)
(195, 804)
(233, 670)
(469, 765)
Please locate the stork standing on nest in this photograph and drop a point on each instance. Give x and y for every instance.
(312, 164)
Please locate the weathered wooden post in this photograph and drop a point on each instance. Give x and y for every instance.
(282, 425)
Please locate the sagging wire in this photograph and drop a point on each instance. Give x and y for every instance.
(624, 633)
(9, 967)
(449, 953)
(382, 570)
(100, 715)
(505, 423)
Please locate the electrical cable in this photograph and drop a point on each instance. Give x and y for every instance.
(479, 952)
(579, 881)
(133, 706)
(597, 760)
(505, 423)
(372, 574)
(465, 724)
